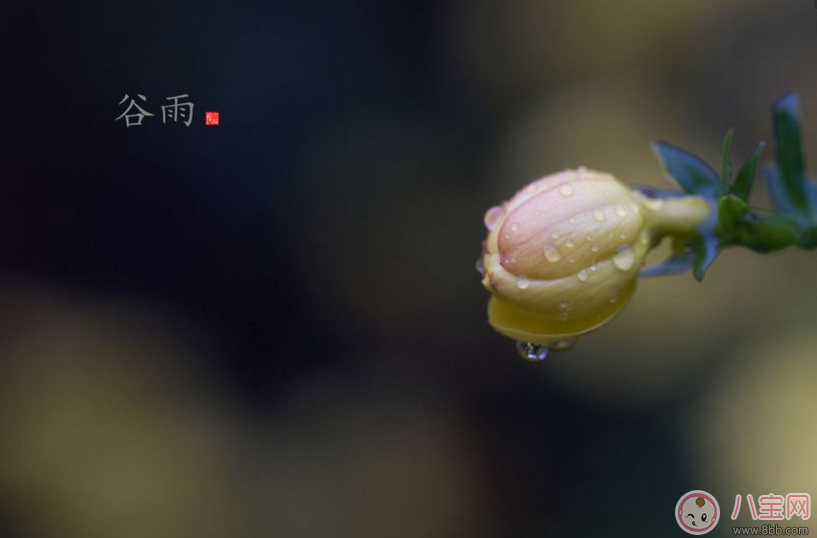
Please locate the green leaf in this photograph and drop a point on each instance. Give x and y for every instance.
(742, 187)
(777, 190)
(726, 171)
(692, 174)
(731, 210)
(788, 149)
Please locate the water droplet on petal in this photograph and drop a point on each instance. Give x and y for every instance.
(620, 211)
(570, 243)
(515, 227)
(552, 254)
(566, 190)
(480, 267)
(522, 282)
(583, 275)
(623, 236)
(571, 220)
(613, 299)
(572, 260)
(624, 258)
(555, 235)
(598, 215)
(532, 352)
(492, 216)
(562, 345)
(565, 304)
(594, 248)
(594, 267)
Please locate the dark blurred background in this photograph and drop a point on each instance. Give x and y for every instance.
(274, 327)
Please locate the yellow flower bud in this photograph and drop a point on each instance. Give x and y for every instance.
(562, 256)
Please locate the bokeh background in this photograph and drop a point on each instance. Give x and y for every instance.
(274, 327)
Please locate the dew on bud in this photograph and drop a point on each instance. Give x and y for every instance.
(583, 275)
(522, 282)
(624, 258)
(532, 352)
(620, 211)
(492, 216)
(598, 215)
(566, 190)
(562, 345)
(552, 254)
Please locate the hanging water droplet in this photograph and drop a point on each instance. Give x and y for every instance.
(583, 275)
(620, 211)
(532, 352)
(515, 227)
(562, 345)
(522, 282)
(595, 247)
(566, 190)
(492, 216)
(552, 254)
(570, 243)
(598, 215)
(480, 267)
(624, 258)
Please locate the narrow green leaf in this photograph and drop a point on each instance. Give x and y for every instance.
(777, 189)
(726, 169)
(692, 174)
(742, 187)
(788, 149)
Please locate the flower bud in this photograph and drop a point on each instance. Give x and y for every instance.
(562, 256)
